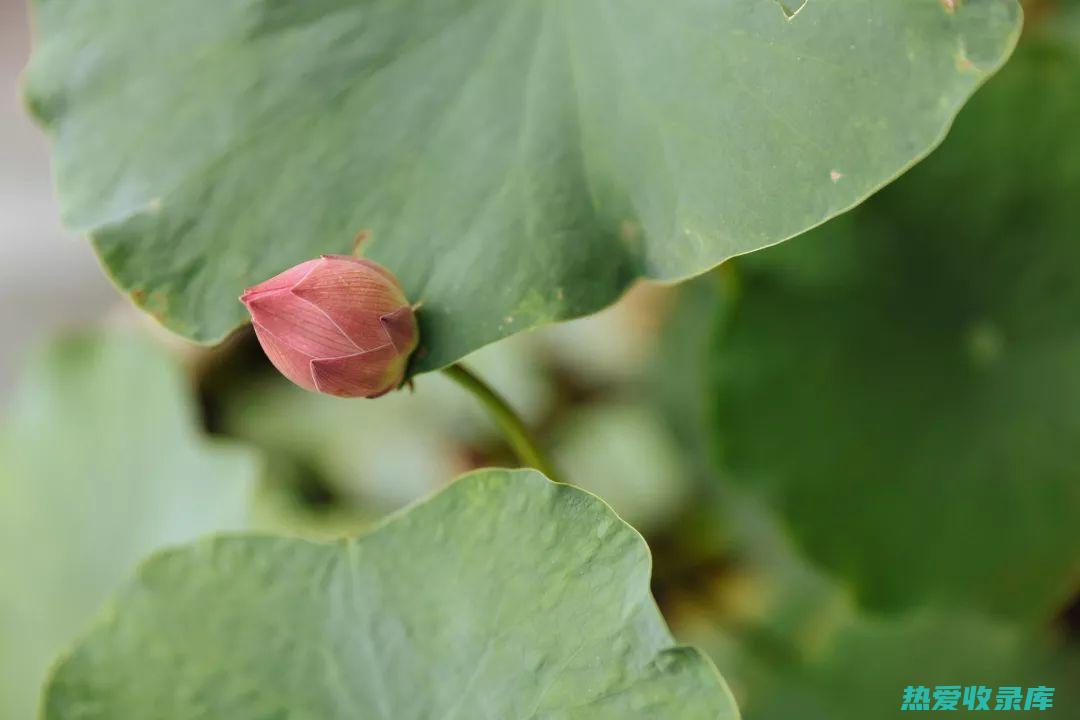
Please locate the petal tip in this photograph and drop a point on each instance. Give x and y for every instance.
(401, 329)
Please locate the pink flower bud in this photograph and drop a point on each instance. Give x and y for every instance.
(337, 325)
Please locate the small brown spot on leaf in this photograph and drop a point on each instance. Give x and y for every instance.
(836, 175)
(950, 5)
(158, 306)
(963, 62)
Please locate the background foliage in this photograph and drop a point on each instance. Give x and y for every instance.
(99, 465)
(850, 454)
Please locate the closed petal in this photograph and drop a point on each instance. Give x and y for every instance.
(292, 364)
(371, 265)
(367, 374)
(354, 296)
(281, 281)
(301, 325)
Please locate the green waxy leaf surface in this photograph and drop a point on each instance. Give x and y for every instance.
(504, 596)
(516, 162)
(904, 384)
(99, 465)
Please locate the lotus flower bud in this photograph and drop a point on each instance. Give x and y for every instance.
(338, 325)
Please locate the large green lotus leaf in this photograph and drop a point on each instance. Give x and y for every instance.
(504, 596)
(100, 464)
(904, 384)
(515, 162)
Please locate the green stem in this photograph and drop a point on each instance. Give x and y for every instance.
(517, 434)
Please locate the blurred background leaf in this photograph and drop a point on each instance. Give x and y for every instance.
(622, 452)
(901, 385)
(505, 595)
(793, 642)
(100, 463)
(515, 164)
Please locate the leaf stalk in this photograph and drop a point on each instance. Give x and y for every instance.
(514, 429)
